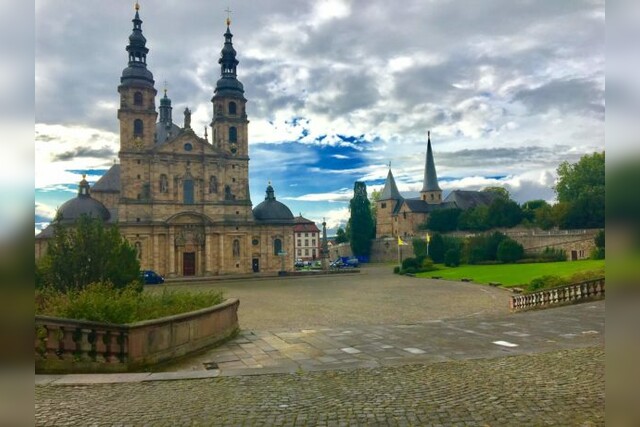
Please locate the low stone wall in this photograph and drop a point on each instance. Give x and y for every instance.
(67, 345)
(569, 294)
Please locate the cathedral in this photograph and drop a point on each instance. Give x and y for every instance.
(397, 216)
(181, 199)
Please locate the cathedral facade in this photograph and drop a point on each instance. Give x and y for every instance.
(181, 199)
(398, 216)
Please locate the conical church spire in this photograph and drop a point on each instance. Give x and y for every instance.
(390, 190)
(136, 71)
(430, 178)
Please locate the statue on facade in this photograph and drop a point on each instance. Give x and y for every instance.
(187, 118)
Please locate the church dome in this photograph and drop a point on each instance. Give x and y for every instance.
(272, 210)
(83, 204)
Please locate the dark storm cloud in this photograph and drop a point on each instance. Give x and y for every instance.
(78, 152)
(573, 95)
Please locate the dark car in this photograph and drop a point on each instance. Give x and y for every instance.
(150, 277)
(352, 262)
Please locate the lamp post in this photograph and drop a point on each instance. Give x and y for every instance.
(428, 240)
(324, 253)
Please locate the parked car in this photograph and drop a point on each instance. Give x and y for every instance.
(150, 277)
(337, 263)
(352, 262)
(298, 263)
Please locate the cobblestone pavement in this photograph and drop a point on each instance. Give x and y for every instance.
(480, 336)
(375, 296)
(563, 388)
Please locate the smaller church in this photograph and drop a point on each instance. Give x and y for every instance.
(400, 216)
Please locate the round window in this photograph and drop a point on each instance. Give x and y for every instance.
(188, 146)
(255, 242)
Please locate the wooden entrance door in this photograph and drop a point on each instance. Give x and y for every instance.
(256, 265)
(189, 264)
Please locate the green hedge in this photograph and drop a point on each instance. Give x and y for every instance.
(101, 302)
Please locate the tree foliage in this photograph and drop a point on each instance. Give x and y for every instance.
(510, 251)
(502, 192)
(443, 220)
(362, 228)
(341, 236)
(87, 252)
(503, 213)
(581, 186)
(437, 248)
(474, 219)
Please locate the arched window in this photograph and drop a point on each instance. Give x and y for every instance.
(213, 185)
(138, 127)
(137, 98)
(232, 108)
(233, 134)
(236, 248)
(227, 193)
(188, 191)
(277, 246)
(164, 184)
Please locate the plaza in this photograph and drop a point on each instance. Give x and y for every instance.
(370, 348)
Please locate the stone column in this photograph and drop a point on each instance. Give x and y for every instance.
(208, 252)
(221, 254)
(171, 246)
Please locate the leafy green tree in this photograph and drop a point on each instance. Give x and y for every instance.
(87, 252)
(504, 213)
(443, 220)
(502, 192)
(474, 219)
(599, 239)
(362, 229)
(544, 217)
(581, 185)
(530, 208)
(510, 251)
(419, 247)
(341, 236)
(375, 196)
(437, 248)
(491, 245)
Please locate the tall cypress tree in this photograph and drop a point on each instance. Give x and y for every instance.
(362, 228)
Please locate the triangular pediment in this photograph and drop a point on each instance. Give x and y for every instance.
(187, 142)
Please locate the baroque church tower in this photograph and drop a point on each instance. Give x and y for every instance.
(137, 115)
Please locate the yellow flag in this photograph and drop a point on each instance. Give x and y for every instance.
(428, 238)
(400, 242)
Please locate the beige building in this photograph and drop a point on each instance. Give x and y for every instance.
(183, 200)
(400, 216)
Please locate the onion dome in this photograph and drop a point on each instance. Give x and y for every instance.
(136, 73)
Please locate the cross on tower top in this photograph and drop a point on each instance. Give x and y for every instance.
(228, 10)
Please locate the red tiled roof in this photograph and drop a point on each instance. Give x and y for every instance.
(305, 225)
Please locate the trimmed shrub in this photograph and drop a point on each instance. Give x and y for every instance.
(437, 248)
(410, 263)
(102, 302)
(396, 270)
(510, 251)
(410, 270)
(452, 258)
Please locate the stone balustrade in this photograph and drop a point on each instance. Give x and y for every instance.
(68, 345)
(569, 294)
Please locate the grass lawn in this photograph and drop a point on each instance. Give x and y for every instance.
(514, 274)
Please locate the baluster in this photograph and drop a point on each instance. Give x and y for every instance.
(125, 346)
(113, 347)
(100, 346)
(84, 346)
(69, 345)
(52, 342)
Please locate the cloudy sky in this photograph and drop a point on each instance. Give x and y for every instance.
(337, 89)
